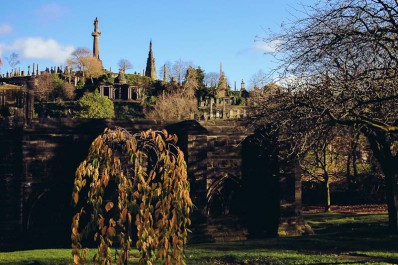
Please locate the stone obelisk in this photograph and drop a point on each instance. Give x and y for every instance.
(150, 64)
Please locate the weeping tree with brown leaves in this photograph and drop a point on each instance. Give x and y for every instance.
(132, 186)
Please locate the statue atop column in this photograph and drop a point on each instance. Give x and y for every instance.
(96, 34)
(96, 25)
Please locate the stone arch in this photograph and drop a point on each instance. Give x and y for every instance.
(223, 194)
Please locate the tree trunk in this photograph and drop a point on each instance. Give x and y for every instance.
(327, 195)
(392, 199)
(389, 164)
(350, 180)
(354, 164)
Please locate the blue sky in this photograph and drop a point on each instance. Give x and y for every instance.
(203, 32)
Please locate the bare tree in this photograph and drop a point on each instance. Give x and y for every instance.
(125, 64)
(44, 86)
(68, 91)
(176, 105)
(343, 57)
(75, 59)
(92, 67)
(319, 163)
(82, 60)
(62, 90)
(13, 60)
(176, 70)
(259, 79)
(211, 79)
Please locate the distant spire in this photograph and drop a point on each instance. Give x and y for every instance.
(221, 73)
(150, 64)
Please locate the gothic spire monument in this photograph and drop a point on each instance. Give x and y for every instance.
(150, 70)
(96, 34)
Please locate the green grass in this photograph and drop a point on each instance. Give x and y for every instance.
(341, 238)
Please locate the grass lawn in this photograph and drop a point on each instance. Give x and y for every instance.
(341, 238)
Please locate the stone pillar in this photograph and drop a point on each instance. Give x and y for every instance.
(96, 34)
(211, 109)
(164, 73)
(129, 93)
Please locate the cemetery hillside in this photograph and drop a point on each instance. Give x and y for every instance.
(166, 161)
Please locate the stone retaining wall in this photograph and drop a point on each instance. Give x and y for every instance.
(37, 164)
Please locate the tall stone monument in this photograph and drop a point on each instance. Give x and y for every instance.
(150, 70)
(96, 34)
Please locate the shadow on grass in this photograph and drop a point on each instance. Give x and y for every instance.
(352, 238)
(347, 238)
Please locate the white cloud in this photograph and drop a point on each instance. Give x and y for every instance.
(39, 48)
(267, 47)
(261, 46)
(51, 11)
(288, 81)
(5, 29)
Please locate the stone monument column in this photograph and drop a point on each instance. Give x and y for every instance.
(96, 34)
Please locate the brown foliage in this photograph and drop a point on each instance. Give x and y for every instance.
(176, 105)
(68, 91)
(92, 67)
(151, 190)
(75, 59)
(44, 86)
(82, 60)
